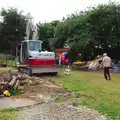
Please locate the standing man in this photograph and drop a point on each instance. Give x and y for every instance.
(107, 62)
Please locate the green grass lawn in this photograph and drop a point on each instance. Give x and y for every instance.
(10, 62)
(8, 114)
(3, 69)
(94, 91)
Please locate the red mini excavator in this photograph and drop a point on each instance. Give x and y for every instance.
(32, 59)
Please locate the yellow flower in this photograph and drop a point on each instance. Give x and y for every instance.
(78, 63)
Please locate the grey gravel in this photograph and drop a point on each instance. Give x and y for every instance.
(59, 111)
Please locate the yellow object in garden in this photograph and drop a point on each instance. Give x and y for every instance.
(6, 93)
(78, 63)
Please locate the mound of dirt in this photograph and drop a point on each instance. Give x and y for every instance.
(29, 85)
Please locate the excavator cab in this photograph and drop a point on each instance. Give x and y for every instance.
(23, 49)
(29, 47)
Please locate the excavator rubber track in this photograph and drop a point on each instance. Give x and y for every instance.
(31, 70)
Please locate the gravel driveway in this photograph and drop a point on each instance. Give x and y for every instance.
(59, 111)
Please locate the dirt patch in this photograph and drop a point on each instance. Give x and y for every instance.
(31, 86)
(41, 85)
(30, 90)
(25, 95)
(36, 85)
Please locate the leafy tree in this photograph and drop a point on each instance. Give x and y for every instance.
(1, 41)
(105, 27)
(46, 33)
(75, 32)
(13, 27)
(91, 32)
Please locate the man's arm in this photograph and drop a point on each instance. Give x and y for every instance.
(102, 62)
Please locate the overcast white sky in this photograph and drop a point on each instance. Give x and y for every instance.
(48, 10)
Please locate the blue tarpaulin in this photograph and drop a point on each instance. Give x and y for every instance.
(117, 63)
(64, 53)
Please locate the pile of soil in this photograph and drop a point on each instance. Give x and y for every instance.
(29, 85)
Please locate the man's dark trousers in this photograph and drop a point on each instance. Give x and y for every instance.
(107, 73)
